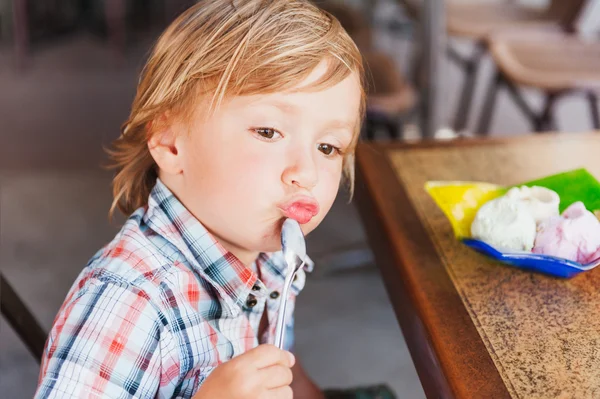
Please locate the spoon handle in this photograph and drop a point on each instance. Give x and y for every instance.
(282, 314)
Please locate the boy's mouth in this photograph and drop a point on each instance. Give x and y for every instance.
(301, 209)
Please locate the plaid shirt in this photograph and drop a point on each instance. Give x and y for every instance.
(157, 309)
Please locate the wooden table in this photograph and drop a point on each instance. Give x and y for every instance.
(476, 328)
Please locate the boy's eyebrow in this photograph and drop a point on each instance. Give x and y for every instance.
(287, 107)
(281, 106)
(341, 124)
(284, 106)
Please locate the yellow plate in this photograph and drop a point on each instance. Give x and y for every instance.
(460, 201)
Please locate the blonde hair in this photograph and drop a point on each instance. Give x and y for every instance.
(227, 48)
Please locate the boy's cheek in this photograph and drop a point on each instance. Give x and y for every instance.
(329, 184)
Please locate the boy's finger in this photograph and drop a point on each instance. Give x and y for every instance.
(279, 393)
(276, 376)
(269, 355)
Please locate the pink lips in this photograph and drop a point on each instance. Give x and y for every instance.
(302, 210)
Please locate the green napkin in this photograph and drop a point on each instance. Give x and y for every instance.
(573, 186)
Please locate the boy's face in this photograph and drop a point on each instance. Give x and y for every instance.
(260, 159)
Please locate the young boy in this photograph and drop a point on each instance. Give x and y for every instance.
(247, 113)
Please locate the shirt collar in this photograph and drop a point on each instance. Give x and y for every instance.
(167, 216)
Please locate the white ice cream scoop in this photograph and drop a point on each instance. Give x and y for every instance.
(541, 202)
(505, 223)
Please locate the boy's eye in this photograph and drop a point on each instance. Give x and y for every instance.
(267, 133)
(328, 149)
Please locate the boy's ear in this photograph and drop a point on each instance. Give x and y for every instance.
(163, 146)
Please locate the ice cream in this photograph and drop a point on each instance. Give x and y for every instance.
(509, 222)
(505, 223)
(541, 202)
(575, 235)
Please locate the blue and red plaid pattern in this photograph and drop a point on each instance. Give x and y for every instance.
(158, 308)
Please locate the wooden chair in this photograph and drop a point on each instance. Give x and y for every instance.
(476, 21)
(21, 320)
(555, 62)
(389, 96)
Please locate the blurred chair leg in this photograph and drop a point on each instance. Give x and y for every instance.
(21, 32)
(390, 124)
(546, 120)
(483, 127)
(393, 128)
(471, 67)
(593, 101)
(21, 320)
(115, 19)
(533, 117)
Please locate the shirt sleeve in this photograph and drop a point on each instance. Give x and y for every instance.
(105, 343)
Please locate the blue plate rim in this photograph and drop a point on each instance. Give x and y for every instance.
(516, 256)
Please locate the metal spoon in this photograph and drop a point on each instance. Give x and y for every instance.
(294, 252)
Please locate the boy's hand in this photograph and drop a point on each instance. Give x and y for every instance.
(264, 372)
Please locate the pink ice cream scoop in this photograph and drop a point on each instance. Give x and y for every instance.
(575, 235)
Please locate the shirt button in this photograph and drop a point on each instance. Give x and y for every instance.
(251, 301)
(256, 287)
(274, 295)
(295, 277)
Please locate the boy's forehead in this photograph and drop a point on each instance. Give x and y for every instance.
(344, 95)
(328, 105)
(278, 101)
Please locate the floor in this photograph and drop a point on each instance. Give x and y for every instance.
(54, 198)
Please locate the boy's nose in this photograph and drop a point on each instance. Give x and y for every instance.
(301, 171)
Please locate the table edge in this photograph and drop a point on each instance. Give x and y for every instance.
(479, 141)
(441, 365)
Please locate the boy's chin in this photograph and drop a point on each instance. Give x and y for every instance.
(269, 241)
(271, 244)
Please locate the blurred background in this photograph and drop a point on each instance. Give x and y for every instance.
(439, 70)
